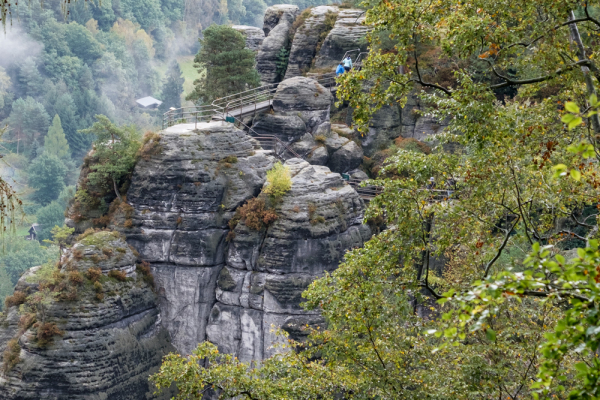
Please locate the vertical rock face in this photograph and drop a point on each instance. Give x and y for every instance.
(254, 36)
(306, 40)
(182, 201)
(110, 338)
(278, 23)
(384, 127)
(266, 271)
(347, 34)
(415, 125)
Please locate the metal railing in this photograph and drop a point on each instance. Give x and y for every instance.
(365, 192)
(269, 142)
(350, 52)
(248, 99)
(187, 115)
(360, 57)
(368, 192)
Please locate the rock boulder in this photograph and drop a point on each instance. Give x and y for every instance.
(254, 36)
(278, 22)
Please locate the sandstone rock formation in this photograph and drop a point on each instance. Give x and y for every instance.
(182, 200)
(254, 36)
(274, 15)
(266, 271)
(347, 34)
(109, 338)
(278, 23)
(307, 39)
(231, 292)
(301, 116)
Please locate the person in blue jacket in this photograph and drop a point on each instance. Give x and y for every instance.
(339, 70)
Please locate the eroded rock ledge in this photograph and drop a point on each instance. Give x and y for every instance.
(111, 337)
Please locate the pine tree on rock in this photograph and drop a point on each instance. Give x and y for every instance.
(172, 88)
(55, 142)
(225, 65)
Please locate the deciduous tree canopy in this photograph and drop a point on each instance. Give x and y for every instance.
(511, 322)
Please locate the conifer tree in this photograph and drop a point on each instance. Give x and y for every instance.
(55, 142)
(224, 63)
(172, 88)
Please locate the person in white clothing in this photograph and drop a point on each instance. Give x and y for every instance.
(347, 63)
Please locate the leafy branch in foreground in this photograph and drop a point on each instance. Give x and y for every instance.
(576, 335)
(10, 204)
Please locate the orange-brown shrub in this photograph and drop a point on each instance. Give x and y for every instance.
(77, 254)
(26, 321)
(255, 214)
(46, 332)
(94, 274)
(75, 278)
(16, 299)
(412, 144)
(11, 354)
(144, 269)
(118, 275)
(150, 145)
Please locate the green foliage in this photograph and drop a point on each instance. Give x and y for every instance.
(172, 88)
(48, 217)
(5, 84)
(47, 176)
(279, 181)
(576, 336)
(55, 142)
(60, 236)
(82, 43)
(28, 120)
(282, 62)
(226, 66)
(21, 254)
(115, 150)
(255, 11)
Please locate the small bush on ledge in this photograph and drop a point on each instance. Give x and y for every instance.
(255, 214)
(280, 181)
(10, 358)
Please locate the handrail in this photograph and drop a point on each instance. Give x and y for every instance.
(278, 141)
(360, 56)
(349, 52)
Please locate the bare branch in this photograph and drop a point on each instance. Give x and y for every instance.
(535, 293)
(431, 290)
(560, 71)
(499, 253)
(420, 80)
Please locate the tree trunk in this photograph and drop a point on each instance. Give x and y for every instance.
(117, 190)
(576, 37)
